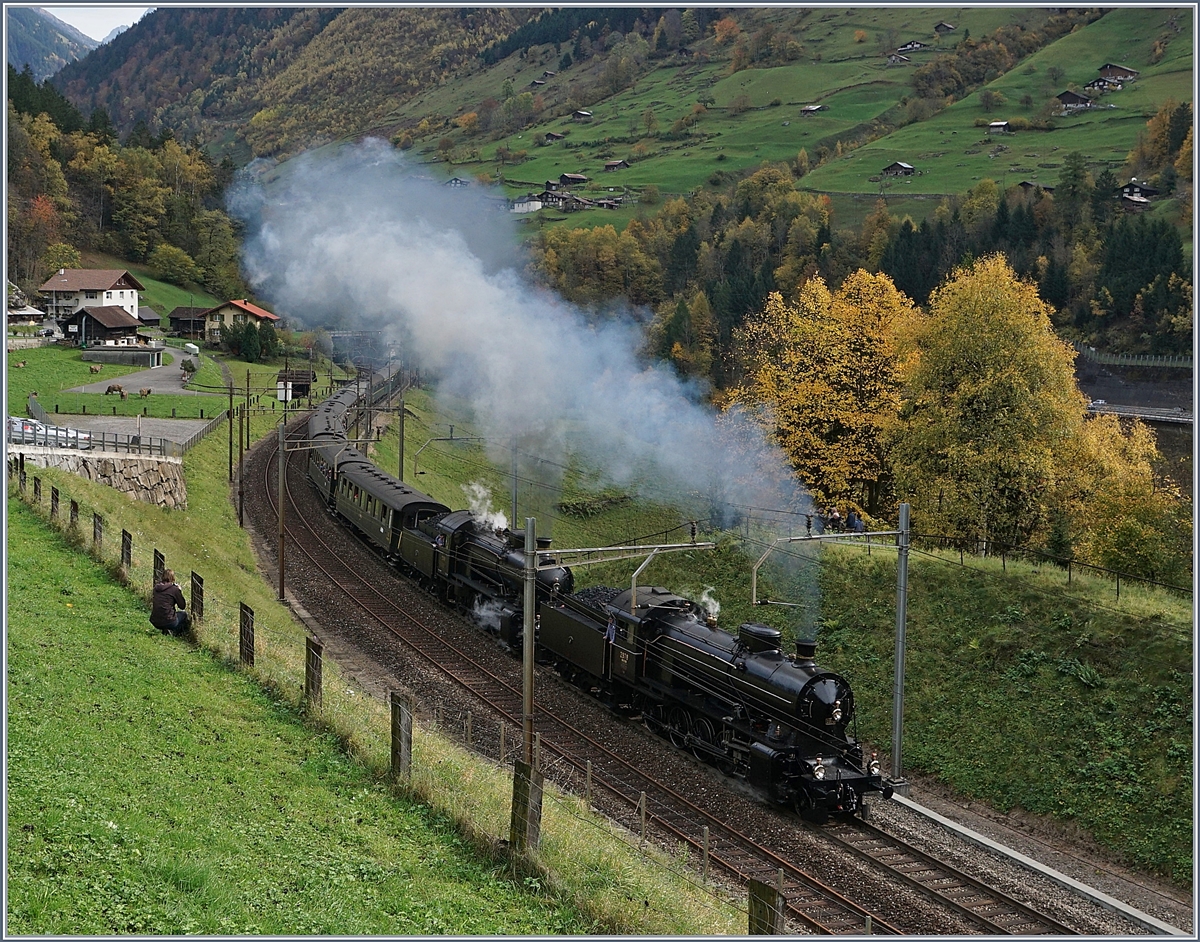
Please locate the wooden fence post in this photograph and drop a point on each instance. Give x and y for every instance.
(312, 670)
(766, 909)
(526, 825)
(126, 550)
(246, 635)
(197, 597)
(97, 533)
(74, 524)
(160, 566)
(37, 489)
(402, 732)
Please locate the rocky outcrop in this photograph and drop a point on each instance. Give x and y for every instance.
(157, 481)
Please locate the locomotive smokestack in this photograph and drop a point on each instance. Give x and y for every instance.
(806, 650)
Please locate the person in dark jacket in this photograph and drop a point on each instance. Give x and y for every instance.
(167, 598)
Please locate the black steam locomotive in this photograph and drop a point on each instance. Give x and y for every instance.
(738, 702)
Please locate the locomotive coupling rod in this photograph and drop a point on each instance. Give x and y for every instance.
(809, 538)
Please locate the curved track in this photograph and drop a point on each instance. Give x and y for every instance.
(567, 751)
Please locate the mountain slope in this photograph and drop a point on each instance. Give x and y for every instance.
(277, 79)
(43, 42)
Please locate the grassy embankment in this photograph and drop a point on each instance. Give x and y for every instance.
(1025, 688)
(313, 782)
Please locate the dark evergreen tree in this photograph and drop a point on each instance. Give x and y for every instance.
(1177, 128)
(681, 265)
(1104, 198)
(1054, 287)
(140, 136)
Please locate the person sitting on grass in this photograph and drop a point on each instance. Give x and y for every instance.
(167, 598)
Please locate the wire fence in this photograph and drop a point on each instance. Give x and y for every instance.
(282, 655)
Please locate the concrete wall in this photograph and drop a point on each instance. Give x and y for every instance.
(157, 481)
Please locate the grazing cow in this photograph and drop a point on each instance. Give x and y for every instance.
(21, 364)
(96, 369)
(115, 388)
(124, 394)
(145, 392)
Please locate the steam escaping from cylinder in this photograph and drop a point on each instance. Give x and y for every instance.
(709, 602)
(479, 502)
(353, 235)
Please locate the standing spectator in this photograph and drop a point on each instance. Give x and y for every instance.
(167, 598)
(610, 633)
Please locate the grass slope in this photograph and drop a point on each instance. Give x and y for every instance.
(952, 154)
(74, 873)
(151, 791)
(851, 78)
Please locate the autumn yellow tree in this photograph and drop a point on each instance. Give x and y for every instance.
(1112, 510)
(991, 406)
(824, 374)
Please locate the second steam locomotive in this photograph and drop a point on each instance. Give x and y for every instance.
(779, 721)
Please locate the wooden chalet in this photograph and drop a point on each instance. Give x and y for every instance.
(457, 181)
(998, 127)
(1102, 84)
(1073, 101)
(812, 109)
(549, 74)
(1029, 186)
(188, 322)
(149, 317)
(70, 289)
(1140, 190)
(581, 116)
(537, 83)
(896, 59)
(898, 169)
(555, 136)
(1118, 73)
(610, 165)
(944, 27)
(912, 45)
(106, 325)
(572, 179)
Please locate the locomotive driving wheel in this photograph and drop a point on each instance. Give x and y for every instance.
(703, 734)
(679, 725)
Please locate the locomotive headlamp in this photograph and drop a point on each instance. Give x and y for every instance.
(873, 765)
(837, 711)
(819, 770)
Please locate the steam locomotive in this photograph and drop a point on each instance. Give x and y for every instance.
(735, 701)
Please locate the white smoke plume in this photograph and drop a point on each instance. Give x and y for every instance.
(354, 235)
(479, 502)
(709, 602)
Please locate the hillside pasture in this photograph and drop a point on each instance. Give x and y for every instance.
(952, 154)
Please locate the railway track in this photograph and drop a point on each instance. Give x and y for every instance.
(992, 911)
(569, 753)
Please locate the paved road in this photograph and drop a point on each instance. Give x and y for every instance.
(164, 379)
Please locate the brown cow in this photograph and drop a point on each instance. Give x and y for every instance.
(96, 369)
(124, 394)
(145, 392)
(115, 388)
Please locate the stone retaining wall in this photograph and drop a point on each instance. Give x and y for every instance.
(155, 480)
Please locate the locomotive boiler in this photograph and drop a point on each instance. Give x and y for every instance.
(736, 701)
